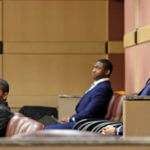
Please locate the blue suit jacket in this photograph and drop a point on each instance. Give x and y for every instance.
(146, 90)
(94, 103)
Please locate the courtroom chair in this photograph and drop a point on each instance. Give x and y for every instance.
(19, 124)
(114, 110)
(112, 117)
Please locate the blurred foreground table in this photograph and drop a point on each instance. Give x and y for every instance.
(136, 116)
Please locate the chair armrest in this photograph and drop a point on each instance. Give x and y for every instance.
(19, 124)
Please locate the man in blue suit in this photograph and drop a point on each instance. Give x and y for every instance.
(110, 130)
(95, 100)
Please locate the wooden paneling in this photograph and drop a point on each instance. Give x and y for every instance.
(115, 44)
(55, 20)
(130, 15)
(1, 66)
(129, 39)
(115, 47)
(116, 20)
(54, 48)
(0, 20)
(143, 64)
(50, 47)
(141, 21)
(130, 70)
(19, 101)
(144, 14)
(143, 34)
(48, 75)
(133, 111)
(117, 77)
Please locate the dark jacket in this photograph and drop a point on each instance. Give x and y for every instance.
(5, 115)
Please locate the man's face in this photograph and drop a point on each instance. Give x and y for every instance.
(3, 96)
(99, 71)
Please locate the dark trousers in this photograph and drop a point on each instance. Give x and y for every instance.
(60, 126)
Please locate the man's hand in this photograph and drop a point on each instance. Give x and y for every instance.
(65, 119)
(108, 130)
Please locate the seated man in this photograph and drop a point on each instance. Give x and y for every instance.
(5, 113)
(110, 130)
(94, 103)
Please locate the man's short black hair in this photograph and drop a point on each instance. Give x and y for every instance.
(4, 86)
(107, 64)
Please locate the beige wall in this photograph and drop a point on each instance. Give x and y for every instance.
(38, 20)
(1, 37)
(48, 75)
(50, 47)
(0, 20)
(137, 45)
(1, 66)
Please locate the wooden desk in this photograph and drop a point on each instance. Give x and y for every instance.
(75, 143)
(66, 105)
(136, 116)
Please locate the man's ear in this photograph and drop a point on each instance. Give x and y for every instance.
(107, 72)
(5, 95)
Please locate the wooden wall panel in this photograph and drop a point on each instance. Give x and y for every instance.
(1, 57)
(117, 77)
(130, 70)
(55, 47)
(0, 20)
(16, 102)
(48, 75)
(143, 34)
(55, 20)
(50, 47)
(130, 15)
(1, 66)
(141, 55)
(144, 14)
(143, 64)
(115, 45)
(116, 20)
(129, 39)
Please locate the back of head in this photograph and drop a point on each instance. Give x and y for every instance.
(4, 86)
(107, 64)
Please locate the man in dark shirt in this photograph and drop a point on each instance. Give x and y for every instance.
(5, 112)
